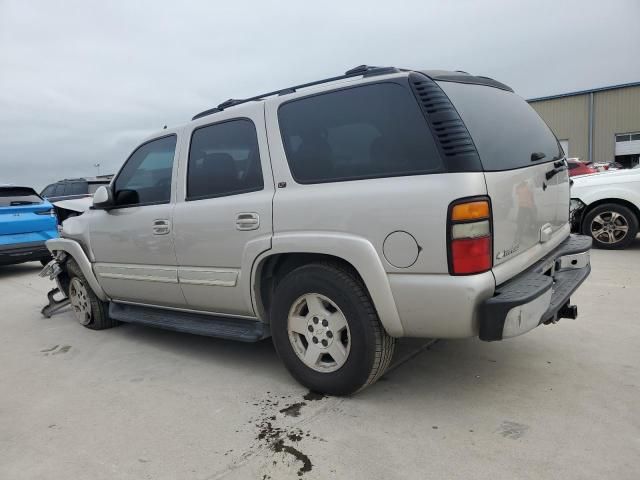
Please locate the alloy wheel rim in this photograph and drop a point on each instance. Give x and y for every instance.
(609, 227)
(80, 303)
(319, 333)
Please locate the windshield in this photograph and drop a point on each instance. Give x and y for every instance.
(10, 197)
(507, 132)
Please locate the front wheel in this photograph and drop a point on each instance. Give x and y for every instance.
(612, 226)
(88, 309)
(326, 330)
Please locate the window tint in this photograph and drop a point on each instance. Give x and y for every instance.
(623, 138)
(146, 177)
(224, 160)
(58, 190)
(364, 132)
(15, 196)
(573, 165)
(48, 191)
(76, 188)
(505, 128)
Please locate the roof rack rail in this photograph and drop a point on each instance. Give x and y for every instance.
(364, 70)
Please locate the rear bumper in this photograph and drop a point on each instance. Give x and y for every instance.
(23, 252)
(539, 295)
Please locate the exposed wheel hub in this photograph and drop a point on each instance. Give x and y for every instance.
(80, 302)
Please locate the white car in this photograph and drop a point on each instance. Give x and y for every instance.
(607, 207)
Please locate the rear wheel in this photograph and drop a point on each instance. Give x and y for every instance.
(88, 309)
(326, 330)
(612, 226)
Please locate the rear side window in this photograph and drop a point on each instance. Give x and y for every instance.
(145, 178)
(13, 197)
(504, 127)
(58, 190)
(76, 188)
(224, 160)
(363, 132)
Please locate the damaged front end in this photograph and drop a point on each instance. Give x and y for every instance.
(58, 297)
(56, 269)
(576, 212)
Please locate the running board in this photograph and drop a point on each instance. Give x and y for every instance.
(232, 328)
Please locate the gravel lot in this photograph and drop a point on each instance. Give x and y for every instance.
(137, 403)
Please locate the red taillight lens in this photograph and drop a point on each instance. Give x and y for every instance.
(470, 237)
(471, 255)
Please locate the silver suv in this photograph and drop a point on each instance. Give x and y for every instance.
(335, 217)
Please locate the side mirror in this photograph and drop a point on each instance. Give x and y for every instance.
(103, 198)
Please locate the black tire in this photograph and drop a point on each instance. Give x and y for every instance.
(604, 212)
(371, 348)
(99, 310)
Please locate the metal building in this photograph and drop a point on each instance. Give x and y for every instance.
(599, 125)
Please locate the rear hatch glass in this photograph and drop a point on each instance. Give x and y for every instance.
(526, 179)
(15, 196)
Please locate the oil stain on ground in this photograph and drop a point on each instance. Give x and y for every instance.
(56, 350)
(512, 430)
(273, 433)
(293, 410)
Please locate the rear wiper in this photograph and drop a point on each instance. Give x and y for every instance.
(535, 156)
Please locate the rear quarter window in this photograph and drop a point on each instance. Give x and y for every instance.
(504, 127)
(369, 131)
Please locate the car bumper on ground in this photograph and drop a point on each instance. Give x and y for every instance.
(539, 295)
(23, 252)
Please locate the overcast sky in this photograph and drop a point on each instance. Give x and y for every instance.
(82, 82)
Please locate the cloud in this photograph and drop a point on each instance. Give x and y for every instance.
(84, 82)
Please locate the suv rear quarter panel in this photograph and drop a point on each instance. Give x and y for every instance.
(369, 210)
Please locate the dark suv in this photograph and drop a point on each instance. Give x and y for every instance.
(74, 188)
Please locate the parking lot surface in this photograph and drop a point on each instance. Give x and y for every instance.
(562, 401)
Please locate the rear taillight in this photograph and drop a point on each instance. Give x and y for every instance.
(469, 235)
(49, 212)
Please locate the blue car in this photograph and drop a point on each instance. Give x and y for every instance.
(26, 222)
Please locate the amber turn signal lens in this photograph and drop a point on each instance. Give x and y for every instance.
(470, 211)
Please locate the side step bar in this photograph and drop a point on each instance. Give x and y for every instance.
(231, 328)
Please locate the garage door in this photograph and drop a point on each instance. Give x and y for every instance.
(628, 144)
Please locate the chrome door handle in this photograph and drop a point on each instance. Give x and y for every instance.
(247, 221)
(161, 227)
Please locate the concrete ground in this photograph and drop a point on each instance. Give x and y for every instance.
(137, 403)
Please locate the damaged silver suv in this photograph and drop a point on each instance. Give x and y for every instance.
(335, 217)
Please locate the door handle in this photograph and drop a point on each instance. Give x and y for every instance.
(161, 227)
(247, 221)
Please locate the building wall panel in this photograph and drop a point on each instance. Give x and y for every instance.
(568, 117)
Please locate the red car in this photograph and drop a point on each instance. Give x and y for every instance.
(578, 167)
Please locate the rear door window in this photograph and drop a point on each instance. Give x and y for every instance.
(505, 128)
(224, 160)
(363, 132)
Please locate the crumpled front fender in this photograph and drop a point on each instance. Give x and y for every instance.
(74, 249)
